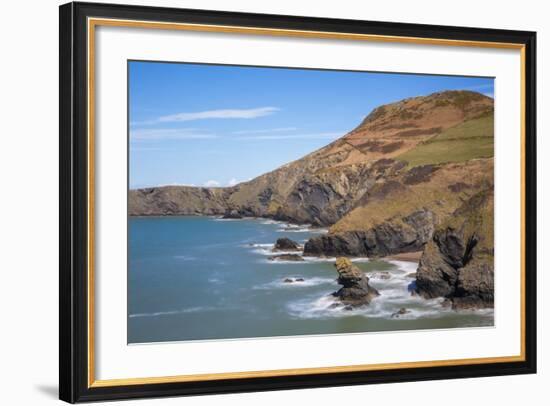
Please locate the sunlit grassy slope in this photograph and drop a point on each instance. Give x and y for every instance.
(468, 140)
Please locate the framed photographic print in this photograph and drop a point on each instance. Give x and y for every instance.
(257, 202)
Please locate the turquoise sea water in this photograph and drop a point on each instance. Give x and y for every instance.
(196, 278)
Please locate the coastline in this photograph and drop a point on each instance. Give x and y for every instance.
(413, 257)
(288, 297)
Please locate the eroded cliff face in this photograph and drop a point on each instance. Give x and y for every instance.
(396, 235)
(458, 261)
(400, 212)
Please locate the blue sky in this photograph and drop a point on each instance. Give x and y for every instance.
(211, 125)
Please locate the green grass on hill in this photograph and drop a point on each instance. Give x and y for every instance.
(469, 140)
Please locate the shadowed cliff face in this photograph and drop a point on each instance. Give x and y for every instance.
(325, 186)
(458, 261)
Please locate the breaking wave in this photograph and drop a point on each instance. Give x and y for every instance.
(307, 282)
(171, 312)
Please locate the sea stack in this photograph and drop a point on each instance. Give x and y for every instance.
(286, 244)
(355, 290)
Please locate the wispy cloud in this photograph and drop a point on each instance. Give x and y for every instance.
(321, 136)
(212, 114)
(169, 134)
(177, 184)
(266, 131)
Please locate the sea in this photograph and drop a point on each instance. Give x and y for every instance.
(208, 278)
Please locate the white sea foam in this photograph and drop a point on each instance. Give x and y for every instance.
(171, 312)
(307, 282)
(405, 266)
(280, 262)
(303, 228)
(269, 245)
(332, 259)
(269, 221)
(328, 306)
(267, 249)
(395, 294)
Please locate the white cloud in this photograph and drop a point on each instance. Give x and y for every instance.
(219, 114)
(270, 130)
(177, 184)
(323, 136)
(212, 183)
(232, 182)
(168, 133)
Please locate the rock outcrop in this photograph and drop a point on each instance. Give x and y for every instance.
(458, 261)
(286, 244)
(405, 234)
(290, 280)
(355, 290)
(287, 257)
(232, 214)
(401, 312)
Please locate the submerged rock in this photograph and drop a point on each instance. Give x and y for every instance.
(290, 280)
(355, 290)
(286, 257)
(286, 244)
(400, 312)
(385, 275)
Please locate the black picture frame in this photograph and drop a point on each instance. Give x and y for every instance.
(74, 199)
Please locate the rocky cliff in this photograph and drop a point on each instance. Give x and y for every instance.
(457, 262)
(355, 290)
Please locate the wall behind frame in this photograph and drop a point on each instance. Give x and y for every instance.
(28, 207)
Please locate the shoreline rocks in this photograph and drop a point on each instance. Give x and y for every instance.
(286, 257)
(355, 290)
(286, 244)
(403, 235)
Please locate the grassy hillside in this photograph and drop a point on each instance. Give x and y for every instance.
(468, 140)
